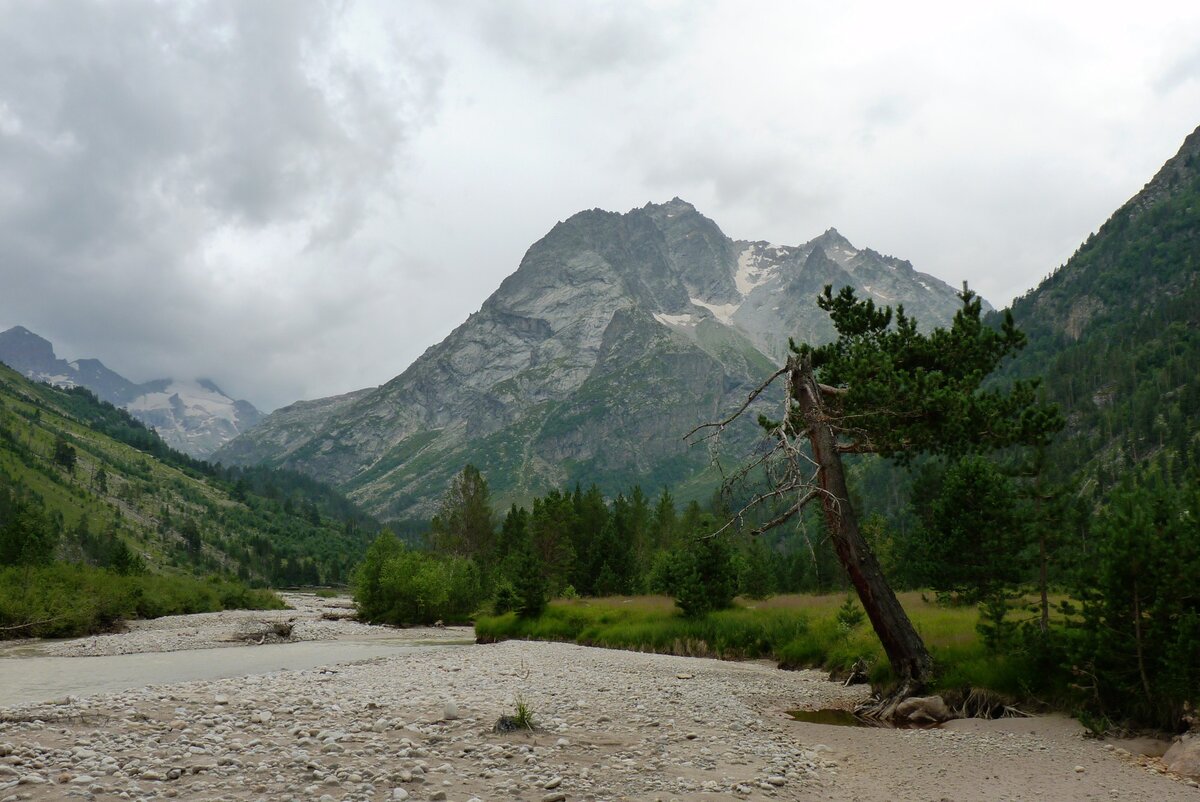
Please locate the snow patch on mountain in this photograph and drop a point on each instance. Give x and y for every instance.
(195, 417)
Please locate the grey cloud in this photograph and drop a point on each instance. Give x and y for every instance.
(132, 132)
(565, 42)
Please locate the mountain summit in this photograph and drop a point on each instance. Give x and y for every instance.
(616, 335)
(193, 417)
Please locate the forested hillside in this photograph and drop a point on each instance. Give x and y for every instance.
(96, 486)
(1115, 332)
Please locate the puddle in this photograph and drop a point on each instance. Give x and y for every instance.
(847, 718)
(838, 718)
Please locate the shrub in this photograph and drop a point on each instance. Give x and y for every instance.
(396, 585)
(707, 579)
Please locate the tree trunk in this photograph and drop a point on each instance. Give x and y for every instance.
(910, 660)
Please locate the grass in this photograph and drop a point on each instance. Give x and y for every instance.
(66, 600)
(796, 630)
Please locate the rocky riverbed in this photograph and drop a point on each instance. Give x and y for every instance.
(611, 725)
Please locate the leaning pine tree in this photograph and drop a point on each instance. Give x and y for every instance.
(882, 387)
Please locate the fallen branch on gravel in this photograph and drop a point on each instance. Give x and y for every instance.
(273, 631)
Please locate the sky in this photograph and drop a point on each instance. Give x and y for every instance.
(296, 199)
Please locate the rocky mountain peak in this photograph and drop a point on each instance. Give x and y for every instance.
(25, 348)
(1180, 170)
(617, 333)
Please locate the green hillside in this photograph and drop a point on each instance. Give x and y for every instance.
(1115, 332)
(113, 493)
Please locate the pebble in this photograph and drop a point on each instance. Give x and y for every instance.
(359, 731)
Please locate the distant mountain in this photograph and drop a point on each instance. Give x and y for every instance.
(194, 417)
(616, 335)
(1115, 332)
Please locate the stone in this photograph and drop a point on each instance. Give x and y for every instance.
(399, 795)
(450, 710)
(924, 708)
(553, 783)
(1079, 769)
(557, 796)
(1183, 757)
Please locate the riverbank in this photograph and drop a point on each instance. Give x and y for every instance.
(614, 725)
(309, 618)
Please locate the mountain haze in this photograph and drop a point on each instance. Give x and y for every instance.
(617, 334)
(195, 417)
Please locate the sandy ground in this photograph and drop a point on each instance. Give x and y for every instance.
(613, 725)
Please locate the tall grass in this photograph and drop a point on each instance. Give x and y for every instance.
(65, 600)
(798, 631)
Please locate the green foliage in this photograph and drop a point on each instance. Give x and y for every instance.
(463, 524)
(707, 580)
(908, 392)
(113, 494)
(850, 614)
(995, 629)
(523, 716)
(397, 585)
(27, 536)
(1138, 644)
(61, 600)
(755, 579)
(64, 454)
(1114, 333)
(505, 599)
(973, 530)
(529, 584)
(368, 576)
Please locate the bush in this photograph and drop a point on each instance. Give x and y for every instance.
(396, 585)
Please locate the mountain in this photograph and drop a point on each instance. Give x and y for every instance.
(617, 334)
(194, 417)
(109, 486)
(1115, 332)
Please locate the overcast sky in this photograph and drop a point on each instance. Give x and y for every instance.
(296, 199)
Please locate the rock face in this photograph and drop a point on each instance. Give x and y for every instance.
(193, 417)
(617, 334)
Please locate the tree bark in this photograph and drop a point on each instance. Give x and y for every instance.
(910, 660)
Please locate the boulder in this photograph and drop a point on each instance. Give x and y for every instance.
(1184, 756)
(924, 708)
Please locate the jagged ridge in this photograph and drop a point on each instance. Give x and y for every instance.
(616, 335)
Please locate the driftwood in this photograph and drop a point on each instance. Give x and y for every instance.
(270, 631)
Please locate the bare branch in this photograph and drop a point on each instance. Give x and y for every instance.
(719, 425)
(782, 519)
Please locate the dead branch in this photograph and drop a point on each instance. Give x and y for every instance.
(720, 425)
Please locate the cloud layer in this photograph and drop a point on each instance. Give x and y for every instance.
(296, 199)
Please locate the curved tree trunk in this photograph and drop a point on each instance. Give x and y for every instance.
(910, 660)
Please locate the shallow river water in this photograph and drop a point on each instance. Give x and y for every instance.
(26, 676)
